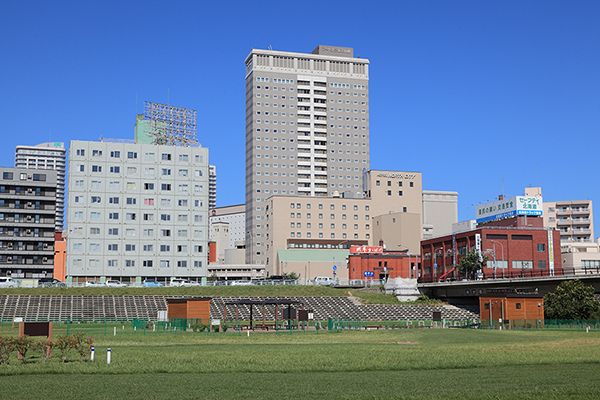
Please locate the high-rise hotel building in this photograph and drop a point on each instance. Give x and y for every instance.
(307, 130)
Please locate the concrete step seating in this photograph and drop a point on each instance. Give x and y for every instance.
(61, 308)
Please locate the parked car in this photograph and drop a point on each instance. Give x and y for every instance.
(240, 283)
(7, 282)
(324, 280)
(94, 284)
(152, 283)
(113, 283)
(180, 282)
(50, 282)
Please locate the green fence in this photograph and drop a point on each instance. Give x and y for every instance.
(543, 324)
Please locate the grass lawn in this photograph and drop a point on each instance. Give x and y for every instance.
(420, 363)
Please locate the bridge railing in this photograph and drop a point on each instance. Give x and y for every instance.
(514, 274)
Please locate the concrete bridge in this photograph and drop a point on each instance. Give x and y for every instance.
(468, 292)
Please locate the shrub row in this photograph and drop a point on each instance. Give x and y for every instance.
(63, 344)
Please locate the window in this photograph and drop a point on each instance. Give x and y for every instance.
(166, 172)
(131, 170)
(197, 218)
(166, 157)
(148, 202)
(130, 247)
(182, 248)
(131, 154)
(115, 154)
(96, 153)
(115, 169)
(148, 247)
(182, 264)
(165, 217)
(80, 152)
(113, 200)
(148, 232)
(147, 263)
(130, 232)
(165, 247)
(164, 263)
(182, 217)
(165, 186)
(113, 247)
(130, 216)
(166, 232)
(112, 263)
(522, 264)
(96, 184)
(131, 200)
(113, 185)
(130, 263)
(94, 231)
(96, 199)
(148, 186)
(183, 172)
(183, 188)
(149, 156)
(183, 157)
(518, 305)
(148, 217)
(131, 185)
(541, 264)
(541, 247)
(113, 215)
(182, 233)
(113, 231)
(198, 249)
(95, 215)
(78, 199)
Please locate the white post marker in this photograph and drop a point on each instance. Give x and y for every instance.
(248, 333)
(92, 355)
(108, 356)
(115, 331)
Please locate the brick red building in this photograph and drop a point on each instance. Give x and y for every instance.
(388, 264)
(522, 248)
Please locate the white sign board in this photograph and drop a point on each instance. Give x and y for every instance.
(517, 205)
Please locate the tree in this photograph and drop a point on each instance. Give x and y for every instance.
(571, 300)
(470, 262)
(292, 276)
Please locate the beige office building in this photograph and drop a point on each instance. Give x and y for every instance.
(393, 202)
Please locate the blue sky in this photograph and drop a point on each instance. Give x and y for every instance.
(482, 97)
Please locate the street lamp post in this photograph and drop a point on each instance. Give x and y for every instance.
(410, 270)
(501, 245)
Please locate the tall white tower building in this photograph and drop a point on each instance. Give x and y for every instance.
(47, 156)
(307, 130)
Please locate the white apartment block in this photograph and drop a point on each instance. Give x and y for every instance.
(236, 217)
(212, 187)
(137, 211)
(52, 156)
(307, 130)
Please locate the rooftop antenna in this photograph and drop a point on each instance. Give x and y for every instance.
(168, 95)
(502, 185)
(270, 47)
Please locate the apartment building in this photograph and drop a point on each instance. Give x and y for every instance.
(307, 130)
(573, 219)
(236, 218)
(137, 211)
(53, 156)
(27, 222)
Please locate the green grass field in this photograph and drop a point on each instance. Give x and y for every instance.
(386, 364)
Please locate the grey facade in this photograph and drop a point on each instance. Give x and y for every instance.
(52, 155)
(27, 221)
(137, 211)
(307, 130)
